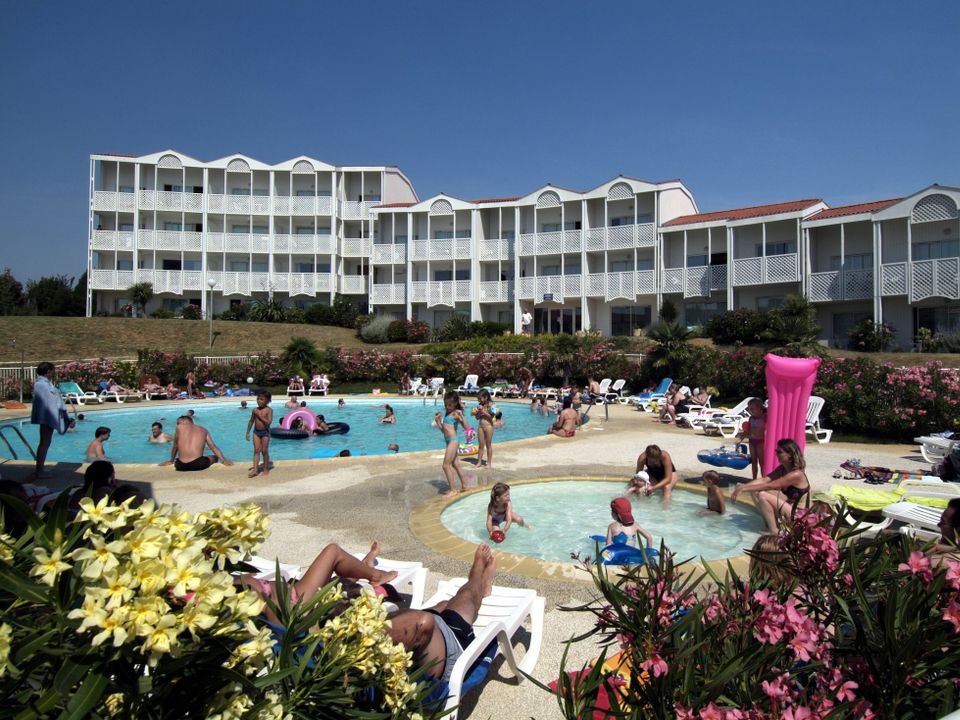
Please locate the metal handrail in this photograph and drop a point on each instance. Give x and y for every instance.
(10, 426)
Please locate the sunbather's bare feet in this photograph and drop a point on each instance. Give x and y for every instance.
(371, 557)
(253, 473)
(450, 493)
(485, 563)
(380, 577)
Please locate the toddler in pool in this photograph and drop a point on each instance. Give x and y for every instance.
(500, 510)
(624, 529)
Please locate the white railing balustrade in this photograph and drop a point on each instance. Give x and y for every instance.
(572, 241)
(496, 291)
(673, 280)
(216, 202)
(619, 238)
(388, 294)
(748, 271)
(824, 286)
(857, 284)
(782, 268)
(146, 199)
(237, 204)
(893, 278)
(646, 282)
(353, 284)
(215, 242)
(696, 283)
(646, 235)
(104, 200)
(935, 278)
(621, 285)
(389, 254)
(355, 210)
(356, 247)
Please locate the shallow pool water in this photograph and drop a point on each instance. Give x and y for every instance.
(227, 423)
(563, 514)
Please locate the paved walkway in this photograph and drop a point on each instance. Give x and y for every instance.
(352, 500)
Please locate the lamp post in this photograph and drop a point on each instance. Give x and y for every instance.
(21, 368)
(210, 283)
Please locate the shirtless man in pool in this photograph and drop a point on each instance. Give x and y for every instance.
(567, 421)
(188, 444)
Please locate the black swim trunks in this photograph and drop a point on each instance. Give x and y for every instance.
(457, 636)
(201, 463)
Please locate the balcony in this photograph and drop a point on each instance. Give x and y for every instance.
(308, 206)
(303, 244)
(238, 242)
(441, 249)
(550, 288)
(935, 278)
(301, 283)
(112, 240)
(551, 243)
(388, 294)
(766, 270)
(389, 254)
(496, 249)
(701, 281)
(353, 284)
(496, 291)
(108, 200)
(621, 237)
(111, 279)
(440, 293)
(839, 285)
(356, 210)
(356, 247)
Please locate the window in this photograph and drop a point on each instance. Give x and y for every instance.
(261, 192)
(172, 226)
(618, 221)
(549, 227)
(644, 264)
(777, 248)
(323, 193)
(240, 229)
(769, 302)
(305, 193)
(935, 250)
(124, 264)
(126, 188)
(698, 313)
(261, 229)
(192, 265)
(323, 230)
(463, 233)
(400, 239)
(173, 304)
(126, 227)
(843, 323)
(621, 266)
(239, 266)
(546, 270)
(171, 265)
(443, 235)
(323, 267)
(863, 261)
(572, 268)
(239, 191)
(644, 218)
(173, 188)
(941, 319)
(260, 266)
(302, 267)
(696, 260)
(508, 235)
(624, 320)
(556, 227)
(301, 230)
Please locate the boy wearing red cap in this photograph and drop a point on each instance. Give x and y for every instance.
(624, 529)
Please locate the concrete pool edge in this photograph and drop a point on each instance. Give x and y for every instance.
(426, 526)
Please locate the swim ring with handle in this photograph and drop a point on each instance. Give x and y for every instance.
(623, 554)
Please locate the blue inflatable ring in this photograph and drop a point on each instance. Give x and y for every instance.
(621, 554)
(721, 457)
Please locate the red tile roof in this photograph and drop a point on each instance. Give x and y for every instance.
(396, 205)
(744, 213)
(844, 210)
(493, 200)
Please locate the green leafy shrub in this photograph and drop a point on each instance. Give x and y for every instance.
(793, 327)
(320, 314)
(240, 311)
(361, 322)
(668, 311)
(456, 328)
(300, 356)
(296, 315)
(375, 330)
(743, 326)
(868, 336)
(161, 313)
(397, 331)
(345, 311)
(849, 628)
(271, 311)
(191, 312)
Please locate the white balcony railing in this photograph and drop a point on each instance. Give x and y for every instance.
(353, 284)
(764, 270)
(356, 247)
(388, 254)
(620, 285)
(496, 291)
(701, 281)
(893, 278)
(550, 288)
(673, 280)
(621, 237)
(356, 210)
(935, 278)
(440, 293)
(388, 294)
(496, 249)
(111, 240)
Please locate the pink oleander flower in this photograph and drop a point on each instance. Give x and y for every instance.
(951, 613)
(797, 713)
(655, 665)
(919, 565)
(778, 688)
(953, 574)
(711, 712)
(685, 713)
(845, 692)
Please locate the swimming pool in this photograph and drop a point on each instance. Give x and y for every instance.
(563, 514)
(227, 423)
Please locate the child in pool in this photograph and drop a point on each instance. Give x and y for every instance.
(624, 529)
(341, 403)
(261, 417)
(448, 427)
(388, 418)
(754, 429)
(500, 510)
(715, 502)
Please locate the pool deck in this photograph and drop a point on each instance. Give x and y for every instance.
(395, 498)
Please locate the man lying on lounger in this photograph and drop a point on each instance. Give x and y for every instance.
(440, 634)
(188, 444)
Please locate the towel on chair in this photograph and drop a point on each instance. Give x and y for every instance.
(48, 408)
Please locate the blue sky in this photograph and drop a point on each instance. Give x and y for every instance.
(746, 102)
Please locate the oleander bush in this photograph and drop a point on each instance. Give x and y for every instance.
(742, 326)
(130, 612)
(191, 312)
(868, 336)
(857, 629)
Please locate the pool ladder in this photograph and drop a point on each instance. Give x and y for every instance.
(6, 441)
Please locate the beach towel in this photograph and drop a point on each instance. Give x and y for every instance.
(48, 408)
(881, 475)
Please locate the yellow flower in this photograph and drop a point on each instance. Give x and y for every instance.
(5, 633)
(117, 587)
(215, 588)
(145, 613)
(91, 611)
(49, 566)
(102, 514)
(100, 558)
(6, 549)
(162, 637)
(185, 573)
(194, 617)
(150, 576)
(114, 625)
(145, 543)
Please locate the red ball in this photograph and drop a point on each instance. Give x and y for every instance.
(498, 536)
(745, 427)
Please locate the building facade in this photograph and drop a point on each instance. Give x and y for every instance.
(221, 233)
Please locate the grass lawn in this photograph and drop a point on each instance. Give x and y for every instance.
(63, 338)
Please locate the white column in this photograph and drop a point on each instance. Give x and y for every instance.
(763, 253)
(843, 262)
(730, 269)
(657, 260)
(475, 313)
(877, 273)
(409, 267)
(516, 269)
(92, 189)
(585, 318)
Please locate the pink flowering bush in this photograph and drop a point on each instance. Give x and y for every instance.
(857, 629)
(351, 365)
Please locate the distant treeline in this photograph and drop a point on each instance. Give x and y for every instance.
(53, 295)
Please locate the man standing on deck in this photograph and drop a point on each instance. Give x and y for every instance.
(188, 444)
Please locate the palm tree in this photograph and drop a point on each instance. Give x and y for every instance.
(140, 294)
(300, 356)
(672, 348)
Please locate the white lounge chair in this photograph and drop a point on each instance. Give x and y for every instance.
(934, 449)
(501, 615)
(120, 396)
(318, 385)
(814, 406)
(73, 393)
(727, 422)
(433, 387)
(615, 393)
(414, 388)
(907, 489)
(469, 386)
(295, 387)
(600, 398)
(919, 516)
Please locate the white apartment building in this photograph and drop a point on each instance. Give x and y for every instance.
(303, 230)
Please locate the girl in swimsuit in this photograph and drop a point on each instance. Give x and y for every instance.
(484, 415)
(500, 510)
(624, 530)
(448, 427)
(778, 494)
(754, 430)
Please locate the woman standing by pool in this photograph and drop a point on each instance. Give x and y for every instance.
(778, 493)
(659, 466)
(484, 415)
(448, 427)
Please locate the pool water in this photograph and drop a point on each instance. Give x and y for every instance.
(227, 423)
(563, 514)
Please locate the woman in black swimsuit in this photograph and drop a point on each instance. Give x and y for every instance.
(659, 465)
(778, 493)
